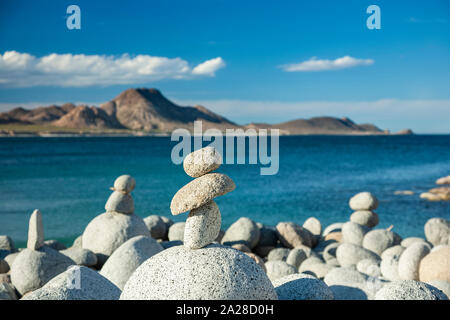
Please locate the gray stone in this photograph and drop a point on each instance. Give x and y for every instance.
(108, 231)
(364, 217)
(304, 266)
(334, 227)
(156, 226)
(35, 231)
(370, 267)
(55, 245)
(296, 256)
(202, 226)
(437, 231)
(347, 284)
(120, 202)
(124, 184)
(267, 237)
(389, 267)
(319, 270)
(127, 258)
(363, 201)
(82, 257)
(170, 244)
(202, 161)
(215, 272)
(408, 265)
(34, 268)
(278, 254)
(176, 231)
(245, 231)
(409, 290)
(77, 283)
(277, 269)
(409, 241)
(353, 233)
(392, 251)
(200, 191)
(7, 292)
(302, 287)
(378, 240)
(292, 235)
(442, 285)
(313, 225)
(11, 257)
(349, 254)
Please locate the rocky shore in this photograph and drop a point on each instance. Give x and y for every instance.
(122, 256)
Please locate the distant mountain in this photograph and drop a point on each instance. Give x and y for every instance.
(147, 110)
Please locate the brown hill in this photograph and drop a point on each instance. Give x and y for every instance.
(147, 109)
(82, 117)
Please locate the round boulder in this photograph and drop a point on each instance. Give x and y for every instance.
(436, 266)
(82, 257)
(353, 233)
(364, 217)
(278, 269)
(215, 272)
(278, 254)
(302, 287)
(125, 184)
(437, 231)
(156, 226)
(409, 290)
(130, 255)
(393, 251)
(408, 265)
(176, 231)
(77, 283)
(245, 231)
(363, 201)
(349, 254)
(292, 235)
(378, 240)
(120, 202)
(347, 284)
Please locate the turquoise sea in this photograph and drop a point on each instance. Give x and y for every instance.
(68, 179)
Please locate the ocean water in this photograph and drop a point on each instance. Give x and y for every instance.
(68, 179)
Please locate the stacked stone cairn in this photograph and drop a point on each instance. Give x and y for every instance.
(200, 269)
(108, 231)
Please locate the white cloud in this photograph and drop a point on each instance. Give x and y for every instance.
(68, 70)
(315, 64)
(209, 67)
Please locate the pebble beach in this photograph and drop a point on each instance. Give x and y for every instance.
(123, 256)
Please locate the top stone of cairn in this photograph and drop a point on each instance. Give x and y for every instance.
(202, 161)
(124, 184)
(35, 231)
(363, 201)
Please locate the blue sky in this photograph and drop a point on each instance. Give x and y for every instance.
(234, 57)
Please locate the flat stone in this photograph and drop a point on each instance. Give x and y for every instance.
(349, 254)
(378, 240)
(127, 258)
(301, 286)
(292, 235)
(245, 231)
(437, 231)
(408, 265)
(353, 233)
(202, 226)
(176, 231)
(108, 231)
(215, 272)
(363, 201)
(124, 184)
(156, 226)
(202, 161)
(278, 269)
(409, 290)
(35, 231)
(77, 283)
(435, 266)
(365, 217)
(120, 202)
(200, 191)
(34, 268)
(82, 257)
